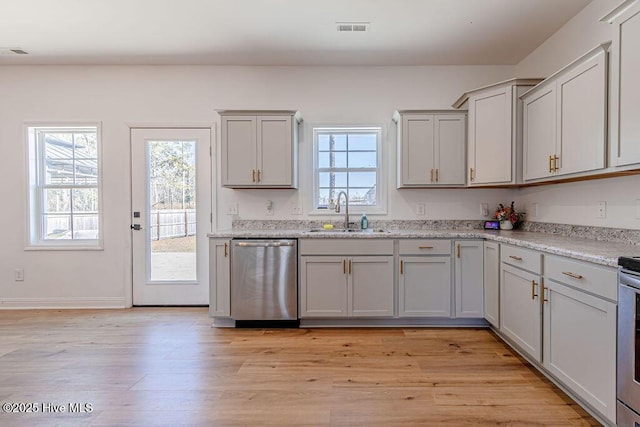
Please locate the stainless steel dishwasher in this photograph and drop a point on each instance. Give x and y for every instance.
(264, 282)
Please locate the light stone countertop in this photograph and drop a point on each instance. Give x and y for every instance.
(595, 251)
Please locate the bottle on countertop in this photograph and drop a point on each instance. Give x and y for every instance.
(364, 222)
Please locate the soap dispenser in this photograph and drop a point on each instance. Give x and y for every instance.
(364, 222)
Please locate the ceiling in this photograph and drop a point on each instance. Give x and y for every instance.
(279, 32)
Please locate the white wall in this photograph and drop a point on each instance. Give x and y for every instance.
(121, 95)
(575, 203)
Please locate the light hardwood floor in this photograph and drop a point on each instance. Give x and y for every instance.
(168, 366)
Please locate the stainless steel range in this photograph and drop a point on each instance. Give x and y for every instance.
(628, 411)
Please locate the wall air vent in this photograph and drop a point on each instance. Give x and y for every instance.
(12, 51)
(352, 27)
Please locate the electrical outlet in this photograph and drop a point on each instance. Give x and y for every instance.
(296, 210)
(269, 207)
(421, 209)
(232, 209)
(18, 275)
(602, 210)
(484, 209)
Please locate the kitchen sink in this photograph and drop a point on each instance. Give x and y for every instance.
(342, 230)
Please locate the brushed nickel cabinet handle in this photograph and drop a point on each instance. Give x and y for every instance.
(570, 274)
(517, 258)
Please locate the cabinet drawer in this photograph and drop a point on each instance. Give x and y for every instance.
(425, 247)
(593, 278)
(526, 259)
(352, 246)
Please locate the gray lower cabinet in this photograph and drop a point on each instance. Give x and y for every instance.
(424, 286)
(492, 283)
(520, 311)
(219, 278)
(346, 286)
(468, 266)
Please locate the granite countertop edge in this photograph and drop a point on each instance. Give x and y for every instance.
(594, 251)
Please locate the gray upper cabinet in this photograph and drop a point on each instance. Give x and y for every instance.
(625, 85)
(565, 120)
(495, 132)
(430, 148)
(259, 149)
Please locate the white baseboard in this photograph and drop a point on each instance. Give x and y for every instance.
(65, 303)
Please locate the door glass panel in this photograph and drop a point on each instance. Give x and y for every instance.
(171, 192)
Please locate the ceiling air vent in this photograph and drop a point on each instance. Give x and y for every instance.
(12, 51)
(352, 27)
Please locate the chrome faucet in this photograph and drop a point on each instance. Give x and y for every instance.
(346, 208)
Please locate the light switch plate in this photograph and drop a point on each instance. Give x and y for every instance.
(18, 275)
(535, 210)
(232, 209)
(484, 209)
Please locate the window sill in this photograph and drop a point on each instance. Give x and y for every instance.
(64, 247)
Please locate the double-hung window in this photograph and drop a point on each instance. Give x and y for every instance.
(64, 186)
(348, 159)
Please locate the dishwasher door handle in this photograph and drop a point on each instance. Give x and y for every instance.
(264, 244)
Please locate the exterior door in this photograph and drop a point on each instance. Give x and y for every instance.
(170, 218)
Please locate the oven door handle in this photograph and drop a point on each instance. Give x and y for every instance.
(630, 280)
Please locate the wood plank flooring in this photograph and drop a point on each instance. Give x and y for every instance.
(168, 366)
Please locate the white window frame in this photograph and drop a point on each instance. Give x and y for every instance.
(381, 197)
(35, 239)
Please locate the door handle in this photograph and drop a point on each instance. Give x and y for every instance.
(136, 227)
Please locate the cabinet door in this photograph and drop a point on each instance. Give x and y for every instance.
(626, 88)
(580, 344)
(371, 286)
(539, 133)
(323, 286)
(417, 149)
(469, 264)
(490, 142)
(449, 149)
(520, 311)
(492, 283)
(275, 151)
(582, 110)
(238, 150)
(219, 278)
(424, 286)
